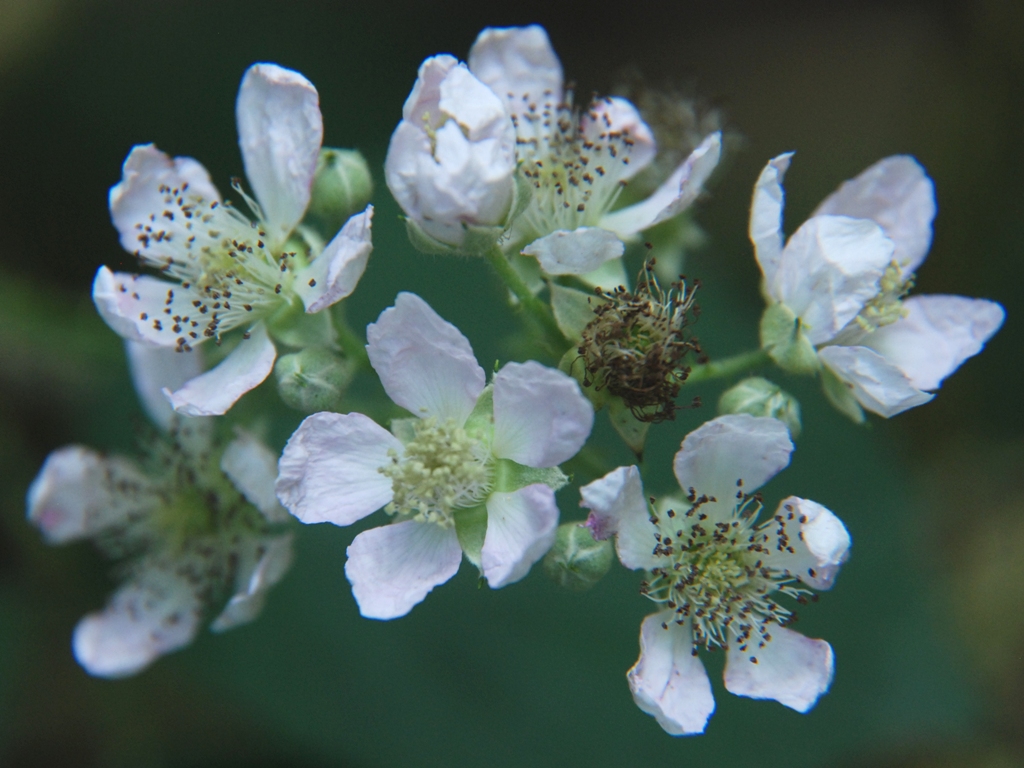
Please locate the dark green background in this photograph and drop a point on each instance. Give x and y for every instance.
(927, 619)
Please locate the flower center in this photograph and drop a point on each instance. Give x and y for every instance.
(718, 576)
(886, 307)
(442, 469)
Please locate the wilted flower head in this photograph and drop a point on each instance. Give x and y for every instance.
(223, 270)
(839, 288)
(722, 576)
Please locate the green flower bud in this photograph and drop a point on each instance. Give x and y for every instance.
(577, 561)
(760, 397)
(312, 380)
(342, 186)
(782, 336)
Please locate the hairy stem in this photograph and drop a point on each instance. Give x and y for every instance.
(351, 344)
(533, 306)
(729, 366)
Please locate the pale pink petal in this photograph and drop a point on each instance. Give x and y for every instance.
(878, 385)
(280, 131)
(791, 669)
(518, 64)
(252, 469)
(263, 563)
(392, 568)
(425, 364)
(766, 216)
(334, 274)
(541, 417)
(422, 106)
(520, 530)
(614, 120)
(214, 392)
(936, 336)
(330, 469)
(668, 681)
(575, 252)
(155, 368)
(618, 507)
(142, 308)
(897, 194)
(807, 541)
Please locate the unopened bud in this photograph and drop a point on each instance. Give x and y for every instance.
(760, 397)
(312, 380)
(577, 561)
(342, 186)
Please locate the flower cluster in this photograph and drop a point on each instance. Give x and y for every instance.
(491, 158)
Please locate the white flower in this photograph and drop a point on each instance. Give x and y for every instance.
(717, 573)
(474, 472)
(451, 161)
(844, 275)
(222, 270)
(577, 163)
(198, 529)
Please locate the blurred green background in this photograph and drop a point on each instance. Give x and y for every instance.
(927, 618)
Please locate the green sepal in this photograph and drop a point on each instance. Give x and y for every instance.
(313, 379)
(481, 418)
(786, 342)
(510, 476)
(761, 397)
(573, 310)
(342, 186)
(294, 327)
(404, 429)
(630, 428)
(576, 561)
(471, 528)
(840, 394)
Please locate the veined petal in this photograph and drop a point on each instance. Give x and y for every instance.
(791, 668)
(808, 541)
(213, 393)
(151, 182)
(618, 507)
(877, 384)
(766, 217)
(329, 471)
(617, 116)
(668, 681)
(936, 336)
(897, 194)
(541, 417)
(729, 457)
(252, 469)
(520, 530)
(577, 252)
(143, 308)
(425, 364)
(422, 106)
(476, 108)
(156, 612)
(829, 270)
(155, 368)
(518, 64)
(280, 131)
(334, 274)
(392, 568)
(263, 563)
(674, 196)
(79, 493)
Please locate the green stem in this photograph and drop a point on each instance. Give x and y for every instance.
(353, 346)
(729, 366)
(536, 308)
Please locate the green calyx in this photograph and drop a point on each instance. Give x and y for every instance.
(785, 341)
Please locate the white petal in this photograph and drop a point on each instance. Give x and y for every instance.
(155, 613)
(674, 196)
(79, 493)
(792, 669)
(575, 253)
(518, 62)
(140, 307)
(617, 506)
(818, 539)
(329, 471)
(252, 469)
(155, 368)
(877, 384)
(668, 680)
(263, 563)
(151, 182)
(422, 106)
(829, 269)
(334, 274)
(615, 115)
(279, 131)
(731, 455)
(898, 195)
(541, 417)
(766, 216)
(520, 530)
(392, 568)
(425, 364)
(475, 107)
(937, 335)
(213, 393)
(609, 275)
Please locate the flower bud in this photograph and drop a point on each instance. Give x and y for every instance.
(577, 561)
(760, 397)
(451, 161)
(342, 186)
(312, 380)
